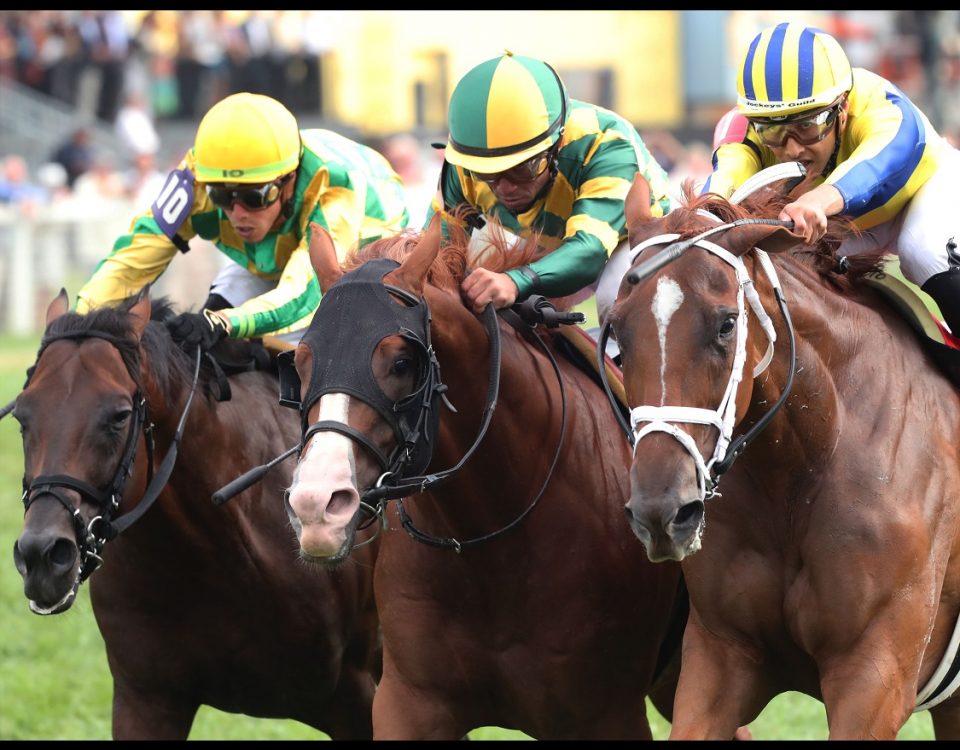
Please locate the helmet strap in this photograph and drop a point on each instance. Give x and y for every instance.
(832, 161)
(287, 207)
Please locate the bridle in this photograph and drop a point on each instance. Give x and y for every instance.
(665, 418)
(342, 366)
(106, 525)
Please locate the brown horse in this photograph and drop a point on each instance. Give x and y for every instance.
(830, 563)
(521, 600)
(197, 604)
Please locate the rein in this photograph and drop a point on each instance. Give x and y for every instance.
(92, 537)
(662, 419)
(532, 311)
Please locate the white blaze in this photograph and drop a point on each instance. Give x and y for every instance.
(327, 449)
(666, 302)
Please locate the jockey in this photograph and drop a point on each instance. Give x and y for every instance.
(252, 184)
(525, 153)
(876, 157)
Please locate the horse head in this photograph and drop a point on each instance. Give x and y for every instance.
(77, 461)
(689, 360)
(368, 380)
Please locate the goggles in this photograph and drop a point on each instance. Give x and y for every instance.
(805, 130)
(253, 197)
(522, 173)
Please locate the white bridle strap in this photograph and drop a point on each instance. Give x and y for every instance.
(659, 418)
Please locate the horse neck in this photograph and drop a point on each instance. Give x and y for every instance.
(524, 431)
(835, 336)
(249, 418)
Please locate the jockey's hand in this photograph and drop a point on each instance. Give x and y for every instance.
(483, 286)
(203, 329)
(809, 212)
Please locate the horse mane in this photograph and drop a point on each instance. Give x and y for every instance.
(767, 204)
(452, 262)
(169, 362)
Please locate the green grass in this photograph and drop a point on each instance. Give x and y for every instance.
(54, 680)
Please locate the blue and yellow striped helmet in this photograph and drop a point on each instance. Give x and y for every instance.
(504, 111)
(789, 69)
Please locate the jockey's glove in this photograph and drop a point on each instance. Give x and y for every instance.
(203, 329)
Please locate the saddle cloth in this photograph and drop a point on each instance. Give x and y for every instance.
(943, 346)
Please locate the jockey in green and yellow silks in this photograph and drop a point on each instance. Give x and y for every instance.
(522, 151)
(252, 184)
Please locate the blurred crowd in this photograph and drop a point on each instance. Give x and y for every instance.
(176, 62)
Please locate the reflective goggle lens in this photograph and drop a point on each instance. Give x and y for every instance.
(805, 131)
(251, 197)
(525, 171)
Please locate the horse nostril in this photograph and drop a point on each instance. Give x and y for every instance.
(626, 509)
(63, 553)
(688, 513)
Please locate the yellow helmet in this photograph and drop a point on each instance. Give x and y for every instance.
(246, 138)
(503, 112)
(789, 69)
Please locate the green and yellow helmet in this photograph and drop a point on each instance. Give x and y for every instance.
(246, 138)
(791, 68)
(504, 111)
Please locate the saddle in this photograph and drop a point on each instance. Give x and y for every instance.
(943, 346)
(580, 347)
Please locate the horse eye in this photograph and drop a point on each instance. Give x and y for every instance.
(727, 327)
(401, 367)
(120, 417)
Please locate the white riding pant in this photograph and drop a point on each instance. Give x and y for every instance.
(920, 232)
(237, 285)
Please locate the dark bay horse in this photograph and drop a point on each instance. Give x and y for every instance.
(827, 560)
(522, 600)
(197, 604)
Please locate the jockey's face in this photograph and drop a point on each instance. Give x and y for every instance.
(516, 188)
(813, 156)
(253, 224)
(242, 206)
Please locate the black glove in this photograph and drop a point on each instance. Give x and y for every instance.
(192, 329)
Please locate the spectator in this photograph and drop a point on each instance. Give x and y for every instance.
(404, 153)
(102, 180)
(108, 43)
(143, 181)
(76, 155)
(134, 126)
(17, 189)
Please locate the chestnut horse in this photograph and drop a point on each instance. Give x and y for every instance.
(830, 563)
(197, 605)
(510, 591)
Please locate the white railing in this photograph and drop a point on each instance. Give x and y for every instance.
(46, 248)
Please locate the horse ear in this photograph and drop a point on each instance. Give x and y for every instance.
(411, 273)
(140, 310)
(323, 257)
(59, 305)
(636, 206)
(771, 239)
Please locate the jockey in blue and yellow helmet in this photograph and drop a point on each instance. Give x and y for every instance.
(874, 155)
